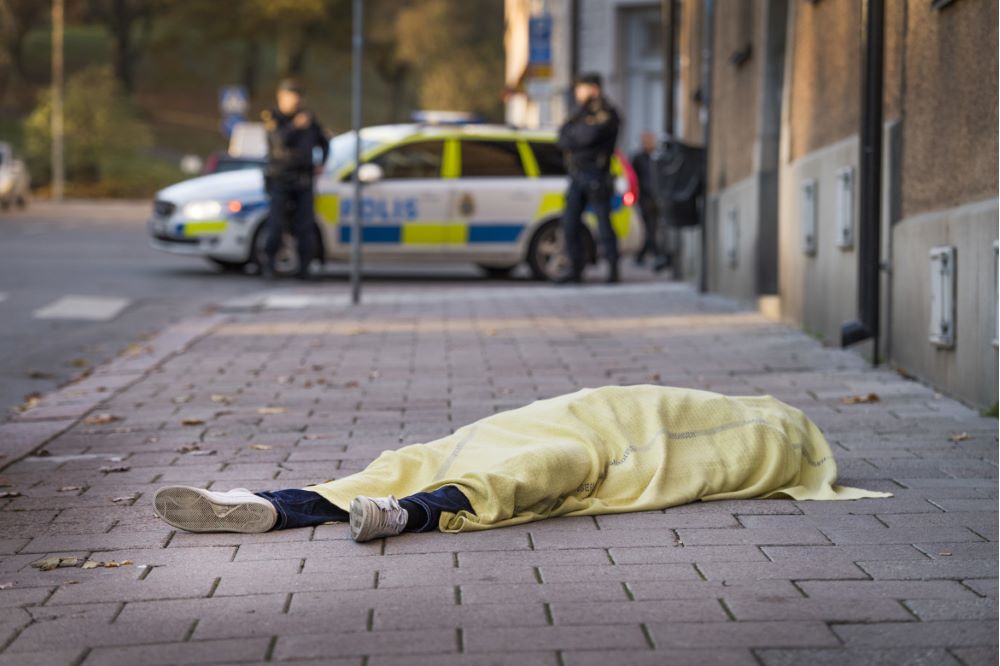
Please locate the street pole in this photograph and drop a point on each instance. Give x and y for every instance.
(668, 17)
(356, 229)
(58, 159)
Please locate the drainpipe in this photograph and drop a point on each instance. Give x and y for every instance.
(866, 326)
(668, 29)
(707, 52)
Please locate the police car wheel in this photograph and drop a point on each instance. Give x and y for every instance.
(547, 252)
(286, 262)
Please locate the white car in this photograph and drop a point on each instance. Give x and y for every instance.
(15, 183)
(487, 195)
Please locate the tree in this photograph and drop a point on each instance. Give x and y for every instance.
(130, 23)
(431, 33)
(17, 19)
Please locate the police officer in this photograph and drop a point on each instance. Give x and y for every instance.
(588, 140)
(292, 135)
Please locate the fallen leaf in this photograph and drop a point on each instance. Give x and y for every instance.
(125, 498)
(90, 564)
(101, 419)
(116, 458)
(860, 399)
(210, 452)
(261, 447)
(30, 402)
(79, 363)
(352, 384)
(188, 448)
(193, 422)
(47, 564)
(135, 349)
(960, 437)
(653, 377)
(39, 374)
(945, 553)
(181, 399)
(69, 489)
(9, 493)
(72, 582)
(6, 586)
(108, 469)
(224, 399)
(44, 453)
(271, 410)
(65, 562)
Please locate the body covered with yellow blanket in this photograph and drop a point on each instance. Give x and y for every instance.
(610, 450)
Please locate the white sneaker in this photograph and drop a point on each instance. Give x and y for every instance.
(376, 517)
(197, 510)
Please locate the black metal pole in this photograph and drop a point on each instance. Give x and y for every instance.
(357, 42)
(707, 54)
(869, 180)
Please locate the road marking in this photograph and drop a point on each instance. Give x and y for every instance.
(92, 308)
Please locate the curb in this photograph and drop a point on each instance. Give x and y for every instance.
(60, 410)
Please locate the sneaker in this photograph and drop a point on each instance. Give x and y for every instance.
(376, 517)
(197, 510)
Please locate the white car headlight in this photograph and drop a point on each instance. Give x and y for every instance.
(202, 210)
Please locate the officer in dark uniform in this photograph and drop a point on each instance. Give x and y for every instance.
(292, 135)
(588, 140)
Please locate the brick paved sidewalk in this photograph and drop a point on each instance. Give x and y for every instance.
(283, 398)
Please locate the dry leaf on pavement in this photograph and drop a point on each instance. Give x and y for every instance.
(30, 402)
(261, 447)
(220, 398)
(960, 437)
(69, 489)
(125, 498)
(108, 469)
(135, 349)
(271, 410)
(860, 399)
(9, 493)
(79, 363)
(192, 422)
(101, 419)
(50, 563)
(188, 448)
(6, 586)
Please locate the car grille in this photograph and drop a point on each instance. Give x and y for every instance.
(164, 208)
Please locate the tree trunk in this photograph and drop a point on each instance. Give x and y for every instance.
(121, 29)
(251, 66)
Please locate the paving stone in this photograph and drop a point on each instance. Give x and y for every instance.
(977, 656)
(983, 587)
(193, 652)
(857, 657)
(484, 659)
(667, 636)
(671, 657)
(755, 536)
(930, 610)
(919, 634)
(74, 633)
(489, 593)
(833, 553)
(429, 616)
(797, 570)
(320, 645)
(600, 636)
(656, 589)
(892, 589)
(823, 609)
(635, 612)
(54, 657)
(900, 535)
(926, 570)
(700, 554)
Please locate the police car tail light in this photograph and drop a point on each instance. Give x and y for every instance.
(631, 181)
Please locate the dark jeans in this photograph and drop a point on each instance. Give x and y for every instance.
(305, 508)
(651, 223)
(595, 190)
(293, 200)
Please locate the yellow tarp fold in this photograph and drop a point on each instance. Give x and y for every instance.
(611, 450)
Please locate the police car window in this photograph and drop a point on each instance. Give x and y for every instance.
(421, 159)
(549, 158)
(486, 159)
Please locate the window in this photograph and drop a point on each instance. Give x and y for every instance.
(490, 159)
(550, 159)
(421, 159)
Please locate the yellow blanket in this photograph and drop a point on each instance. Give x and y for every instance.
(610, 450)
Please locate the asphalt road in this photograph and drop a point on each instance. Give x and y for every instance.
(78, 284)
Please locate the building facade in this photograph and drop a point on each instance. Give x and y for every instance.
(773, 87)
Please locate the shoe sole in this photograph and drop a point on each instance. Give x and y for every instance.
(359, 512)
(193, 510)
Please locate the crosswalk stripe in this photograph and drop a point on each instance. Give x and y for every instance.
(90, 308)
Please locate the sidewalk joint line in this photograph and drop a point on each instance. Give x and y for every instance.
(648, 636)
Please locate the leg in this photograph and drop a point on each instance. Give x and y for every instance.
(302, 508)
(276, 220)
(571, 223)
(305, 228)
(599, 194)
(425, 509)
(647, 209)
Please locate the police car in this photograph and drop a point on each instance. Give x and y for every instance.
(488, 195)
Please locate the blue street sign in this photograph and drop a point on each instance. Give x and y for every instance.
(540, 40)
(233, 105)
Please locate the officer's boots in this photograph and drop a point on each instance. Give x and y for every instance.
(613, 277)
